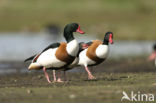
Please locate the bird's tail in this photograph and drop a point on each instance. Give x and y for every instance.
(34, 66)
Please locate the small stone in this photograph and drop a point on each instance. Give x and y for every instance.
(72, 96)
(29, 91)
(154, 84)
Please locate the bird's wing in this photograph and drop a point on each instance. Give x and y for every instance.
(89, 43)
(30, 58)
(51, 46)
(34, 57)
(83, 46)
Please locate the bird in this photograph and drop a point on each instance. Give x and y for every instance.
(82, 47)
(153, 54)
(96, 52)
(57, 55)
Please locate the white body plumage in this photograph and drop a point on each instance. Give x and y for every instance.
(101, 52)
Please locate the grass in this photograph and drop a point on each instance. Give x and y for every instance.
(107, 89)
(133, 19)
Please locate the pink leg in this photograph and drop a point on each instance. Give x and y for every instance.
(46, 75)
(59, 77)
(90, 76)
(54, 76)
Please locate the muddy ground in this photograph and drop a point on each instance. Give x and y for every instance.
(113, 77)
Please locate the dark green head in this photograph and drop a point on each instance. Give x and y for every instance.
(69, 29)
(108, 38)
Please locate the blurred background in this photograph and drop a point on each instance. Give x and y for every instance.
(28, 26)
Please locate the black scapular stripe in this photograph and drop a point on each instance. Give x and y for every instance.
(30, 58)
(54, 45)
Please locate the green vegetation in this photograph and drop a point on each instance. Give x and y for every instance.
(107, 89)
(128, 19)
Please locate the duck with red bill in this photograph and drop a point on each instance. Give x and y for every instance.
(95, 53)
(59, 55)
(79, 30)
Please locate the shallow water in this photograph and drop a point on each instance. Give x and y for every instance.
(18, 46)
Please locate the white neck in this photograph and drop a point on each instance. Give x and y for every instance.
(72, 47)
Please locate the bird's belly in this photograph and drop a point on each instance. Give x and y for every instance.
(84, 60)
(49, 60)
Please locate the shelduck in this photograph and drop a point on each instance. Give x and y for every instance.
(96, 53)
(57, 55)
(153, 54)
